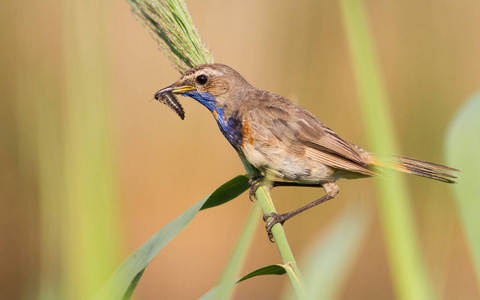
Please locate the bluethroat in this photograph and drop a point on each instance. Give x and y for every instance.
(288, 144)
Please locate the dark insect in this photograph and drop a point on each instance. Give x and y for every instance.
(169, 99)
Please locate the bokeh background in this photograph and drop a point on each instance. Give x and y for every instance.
(90, 167)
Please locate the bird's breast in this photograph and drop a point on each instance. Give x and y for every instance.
(235, 129)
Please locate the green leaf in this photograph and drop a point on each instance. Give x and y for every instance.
(122, 283)
(132, 286)
(228, 191)
(462, 144)
(268, 270)
(232, 269)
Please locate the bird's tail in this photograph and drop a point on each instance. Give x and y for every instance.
(421, 168)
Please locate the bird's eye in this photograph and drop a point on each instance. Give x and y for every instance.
(201, 79)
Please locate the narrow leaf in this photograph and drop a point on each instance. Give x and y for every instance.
(408, 270)
(268, 270)
(122, 283)
(232, 269)
(228, 191)
(462, 144)
(132, 286)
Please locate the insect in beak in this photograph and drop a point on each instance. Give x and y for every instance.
(167, 97)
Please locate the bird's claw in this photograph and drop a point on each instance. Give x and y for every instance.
(254, 183)
(274, 219)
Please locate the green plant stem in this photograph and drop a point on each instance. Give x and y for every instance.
(91, 218)
(407, 266)
(225, 288)
(265, 200)
(293, 272)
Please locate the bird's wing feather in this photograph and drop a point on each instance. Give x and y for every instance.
(301, 133)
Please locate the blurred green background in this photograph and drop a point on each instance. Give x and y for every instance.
(90, 168)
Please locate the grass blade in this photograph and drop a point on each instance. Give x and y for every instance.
(268, 270)
(91, 217)
(408, 268)
(462, 144)
(122, 283)
(227, 191)
(225, 287)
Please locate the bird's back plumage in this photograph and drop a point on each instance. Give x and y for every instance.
(286, 131)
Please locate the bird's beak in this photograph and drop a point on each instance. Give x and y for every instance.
(183, 88)
(174, 89)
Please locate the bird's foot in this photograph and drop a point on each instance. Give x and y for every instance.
(254, 183)
(274, 219)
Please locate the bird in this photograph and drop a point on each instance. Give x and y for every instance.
(285, 142)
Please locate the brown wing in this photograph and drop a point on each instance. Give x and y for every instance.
(288, 125)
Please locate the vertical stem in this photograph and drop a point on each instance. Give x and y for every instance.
(225, 288)
(296, 279)
(264, 199)
(92, 219)
(408, 270)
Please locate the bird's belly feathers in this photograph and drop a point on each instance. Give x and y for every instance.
(276, 162)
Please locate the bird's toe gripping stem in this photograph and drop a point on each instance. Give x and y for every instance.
(274, 219)
(255, 183)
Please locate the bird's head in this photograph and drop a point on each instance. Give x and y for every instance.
(216, 86)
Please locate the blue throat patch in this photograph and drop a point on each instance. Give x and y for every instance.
(232, 128)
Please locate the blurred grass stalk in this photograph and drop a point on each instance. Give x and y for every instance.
(462, 143)
(407, 266)
(65, 148)
(91, 220)
(40, 156)
(230, 272)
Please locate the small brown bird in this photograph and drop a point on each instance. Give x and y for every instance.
(288, 144)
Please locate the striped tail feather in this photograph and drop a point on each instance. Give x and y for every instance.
(424, 169)
(415, 167)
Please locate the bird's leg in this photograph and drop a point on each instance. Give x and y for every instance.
(276, 218)
(331, 190)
